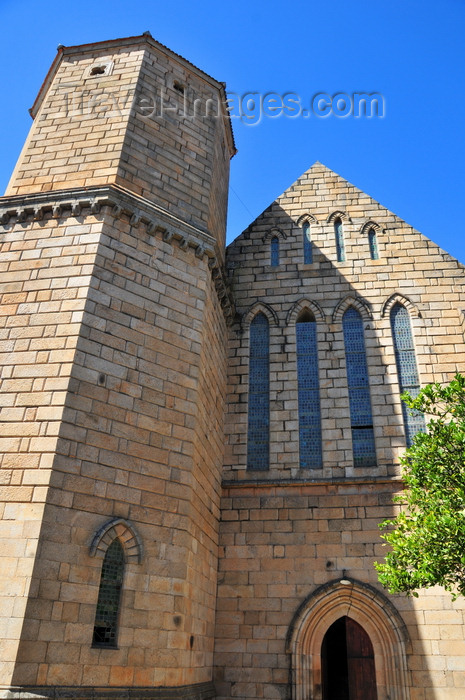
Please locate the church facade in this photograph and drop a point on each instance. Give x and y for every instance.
(199, 442)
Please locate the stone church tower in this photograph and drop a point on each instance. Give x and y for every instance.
(197, 447)
(113, 232)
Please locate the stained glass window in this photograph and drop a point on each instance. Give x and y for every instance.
(308, 252)
(309, 394)
(407, 371)
(339, 234)
(373, 243)
(363, 439)
(109, 595)
(258, 442)
(274, 251)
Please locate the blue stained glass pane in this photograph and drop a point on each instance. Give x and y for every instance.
(360, 406)
(363, 445)
(401, 329)
(414, 424)
(353, 338)
(340, 251)
(356, 369)
(274, 251)
(373, 243)
(258, 402)
(308, 251)
(406, 368)
(409, 373)
(363, 440)
(309, 396)
(258, 433)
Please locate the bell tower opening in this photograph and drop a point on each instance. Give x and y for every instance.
(348, 662)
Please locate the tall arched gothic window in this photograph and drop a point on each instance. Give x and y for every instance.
(361, 419)
(308, 252)
(407, 371)
(339, 235)
(258, 440)
(109, 597)
(308, 393)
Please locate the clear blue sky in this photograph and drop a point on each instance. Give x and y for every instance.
(411, 52)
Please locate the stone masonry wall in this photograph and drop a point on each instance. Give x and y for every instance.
(131, 445)
(153, 124)
(279, 544)
(178, 144)
(80, 122)
(286, 531)
(114, 368)
(206, 490)
(45, 270)
(410, 268)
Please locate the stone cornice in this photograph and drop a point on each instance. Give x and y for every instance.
(61, 204)
(230, 484)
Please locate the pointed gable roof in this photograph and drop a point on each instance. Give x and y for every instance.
(323, 195)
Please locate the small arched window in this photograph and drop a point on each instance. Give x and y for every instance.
(258, 433)
(274, 250)
(308, 393)
(308, 252)
(363, 440)
(407, 371)
(339, 235)
(109, 597)
(373, 243)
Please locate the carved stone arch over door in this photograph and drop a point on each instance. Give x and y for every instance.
(378, 618)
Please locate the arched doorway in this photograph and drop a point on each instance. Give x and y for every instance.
(348, 662)
(379, 621)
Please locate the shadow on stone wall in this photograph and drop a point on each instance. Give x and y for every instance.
(287, 531)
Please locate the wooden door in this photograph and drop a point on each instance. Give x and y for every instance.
(348, 665)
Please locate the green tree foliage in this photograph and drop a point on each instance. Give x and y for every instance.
(427, 537)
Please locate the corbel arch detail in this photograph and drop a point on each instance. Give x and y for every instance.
(257, 308)
(339, 214)
(306, 218)
(127, 535)
(397, 298)
(274, 232)
(361, 305)
(299, 306)
(370, 609)
(370, 224)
